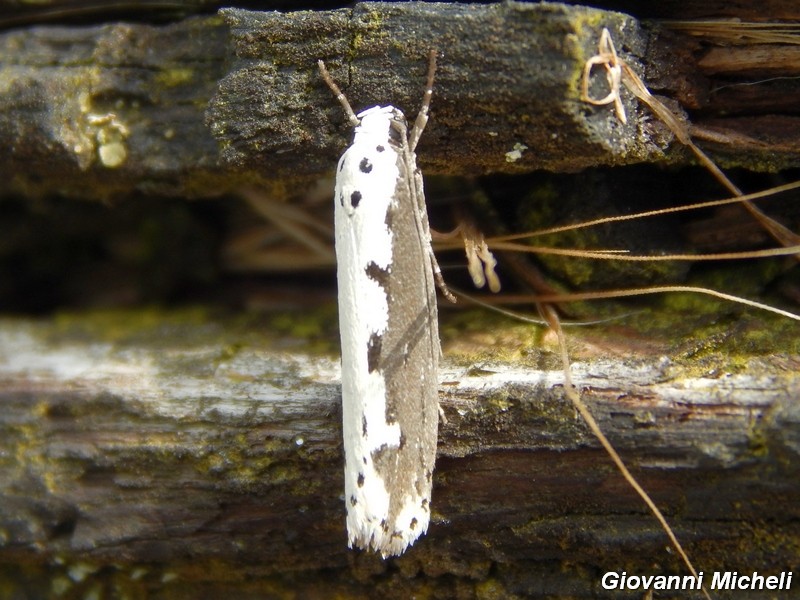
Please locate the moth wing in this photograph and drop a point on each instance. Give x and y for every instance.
(390, 349)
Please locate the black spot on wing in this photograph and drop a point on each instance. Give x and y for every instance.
(413, 524)
(378, 274)
(365, 166)
(341, 165)
(389, 217)
(374, 352)
(380, 148)
(360, 480)
(353, 500)
(355, 198)
(379, 454)
(341, 198)
(364, 426)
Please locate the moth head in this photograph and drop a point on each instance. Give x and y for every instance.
(380, 121)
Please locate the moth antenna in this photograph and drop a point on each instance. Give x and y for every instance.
(422, 115)
(326, 77)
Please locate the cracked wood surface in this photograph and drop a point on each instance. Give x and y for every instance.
(152, 460)
(207, 103)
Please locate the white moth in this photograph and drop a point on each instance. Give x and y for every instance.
(388, 327)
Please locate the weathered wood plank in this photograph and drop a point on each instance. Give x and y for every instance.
(61, 85)
(204, 104)
(509, 73)
(189, 452)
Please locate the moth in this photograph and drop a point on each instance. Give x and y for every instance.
(387, 277)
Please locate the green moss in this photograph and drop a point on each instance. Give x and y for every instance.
(370, 26)
(134, 581)
(472, 337)
(702, 335)
(758, 440)
(115, 325)
(235, 461)
(174, 77)
(311, 330)
(250, 465)
(558, 200)
(316, 328)
(492, 589)
(497, 403)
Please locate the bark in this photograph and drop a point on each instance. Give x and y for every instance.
(173, 454)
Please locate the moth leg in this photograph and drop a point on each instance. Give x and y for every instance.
(422, 211)
(425, 234)
(424, 229)
(422, 115)
(481, 262)
(437, 277)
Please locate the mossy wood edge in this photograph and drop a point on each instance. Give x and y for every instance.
(209, 103)
(195, 455)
